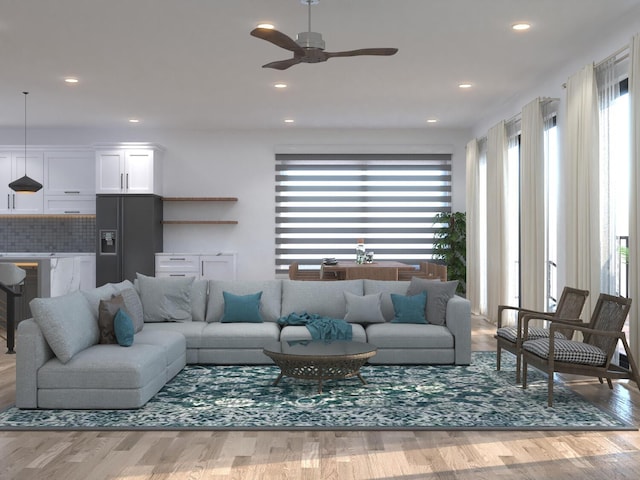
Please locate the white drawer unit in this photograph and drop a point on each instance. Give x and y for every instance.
(177, 263)
(221, 266)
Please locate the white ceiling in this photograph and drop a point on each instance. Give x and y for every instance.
(193, 64)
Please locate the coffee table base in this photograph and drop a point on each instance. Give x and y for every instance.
(320, 368)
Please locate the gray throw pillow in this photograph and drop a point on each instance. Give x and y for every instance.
(165, 299)
(364, 308)
(438, 294)
(133, 306)
(67, 323)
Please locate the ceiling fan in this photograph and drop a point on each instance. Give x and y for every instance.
(308, 46)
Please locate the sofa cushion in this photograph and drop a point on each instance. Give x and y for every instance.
(409, 335)
(199, 299)
(239, 335)
(105, 367)
(299, 332)
(165, 299)
(269, 302)
(123, 328)
(409, 308)
(386, 287)
(241, 308)
(364, 308)
(438, 294)
(132, 302)
(323, 298)
(93, 296)
(67, 323)
(191, 331)
(172, 342)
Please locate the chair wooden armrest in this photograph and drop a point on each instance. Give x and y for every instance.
(502, 308)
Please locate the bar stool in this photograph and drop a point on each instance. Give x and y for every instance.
(11, 278)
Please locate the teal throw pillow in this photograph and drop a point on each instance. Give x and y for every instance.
(409, 308)
(123, 327)
(241, 308)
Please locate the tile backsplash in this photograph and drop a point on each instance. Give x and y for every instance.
(47, 233)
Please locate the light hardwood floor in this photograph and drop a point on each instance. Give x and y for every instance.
(406, 455)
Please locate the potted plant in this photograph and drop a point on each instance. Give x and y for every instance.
(450, 246)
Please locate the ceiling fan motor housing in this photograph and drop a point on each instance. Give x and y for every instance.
(310, 40)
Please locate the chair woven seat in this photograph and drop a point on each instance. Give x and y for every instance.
(511, 333)
(567, 351)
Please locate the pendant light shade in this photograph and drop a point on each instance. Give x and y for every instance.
(25, 184)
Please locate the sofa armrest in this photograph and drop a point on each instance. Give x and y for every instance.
(458, 321)
(32, 352)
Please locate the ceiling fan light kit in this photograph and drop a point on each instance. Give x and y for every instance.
(309, 46)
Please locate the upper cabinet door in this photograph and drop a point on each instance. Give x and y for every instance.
(6, 177)
(110, 171)
(69, 173)
(139, 171)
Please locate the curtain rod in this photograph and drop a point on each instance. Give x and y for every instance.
(610, 57)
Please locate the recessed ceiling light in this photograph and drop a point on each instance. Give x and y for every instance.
(71, 80)
(465, 85)
(521, 26)
(134, 120)
(265, 25)
(289, 120)
(432, 120)
(280, 85)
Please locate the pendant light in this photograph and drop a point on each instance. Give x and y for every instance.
(25, 184)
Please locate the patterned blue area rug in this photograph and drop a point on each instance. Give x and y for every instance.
(396, 397)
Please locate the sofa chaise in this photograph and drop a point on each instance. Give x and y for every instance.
(64, 362)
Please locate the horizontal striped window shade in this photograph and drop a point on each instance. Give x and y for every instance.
(325, 202)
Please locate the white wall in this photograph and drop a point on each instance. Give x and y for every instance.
(240, 163)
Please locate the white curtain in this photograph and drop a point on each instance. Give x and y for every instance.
(473, 226)
(634, 220)
(580, 186)
(532, 208)
(497, 265)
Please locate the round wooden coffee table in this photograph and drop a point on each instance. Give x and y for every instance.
(319, 359)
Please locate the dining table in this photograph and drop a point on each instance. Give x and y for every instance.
(350, 270)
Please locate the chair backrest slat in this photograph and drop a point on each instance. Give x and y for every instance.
(570, 305)
(609, 315)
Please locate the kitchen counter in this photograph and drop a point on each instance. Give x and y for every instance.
(58, 273)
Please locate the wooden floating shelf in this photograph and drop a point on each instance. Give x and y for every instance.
(200, 222)
(200, 199)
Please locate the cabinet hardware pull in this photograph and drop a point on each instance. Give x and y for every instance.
(8, 201)
(72, 192)
(121, 181)
(127, 181)
(72, 211)
(177, 259)
(177, 275)
(14, 201)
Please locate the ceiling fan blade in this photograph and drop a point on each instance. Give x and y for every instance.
(363, 51)
(283, 64)
(277, 38)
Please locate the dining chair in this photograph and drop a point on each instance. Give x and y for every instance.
(509, 338)
(590, 357)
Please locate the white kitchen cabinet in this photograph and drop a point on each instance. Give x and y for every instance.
(202, 266)
(69, 186)
(12, 167)
(129, 171)
(218, 267)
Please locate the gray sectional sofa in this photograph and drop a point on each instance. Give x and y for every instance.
(62, 364)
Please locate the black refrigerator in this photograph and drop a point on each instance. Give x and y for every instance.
(129, 234)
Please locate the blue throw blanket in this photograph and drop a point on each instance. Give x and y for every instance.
(320, 328)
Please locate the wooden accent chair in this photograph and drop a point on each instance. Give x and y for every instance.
(295, 273)
(429, 270)
(590, 357)
(509, 338)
